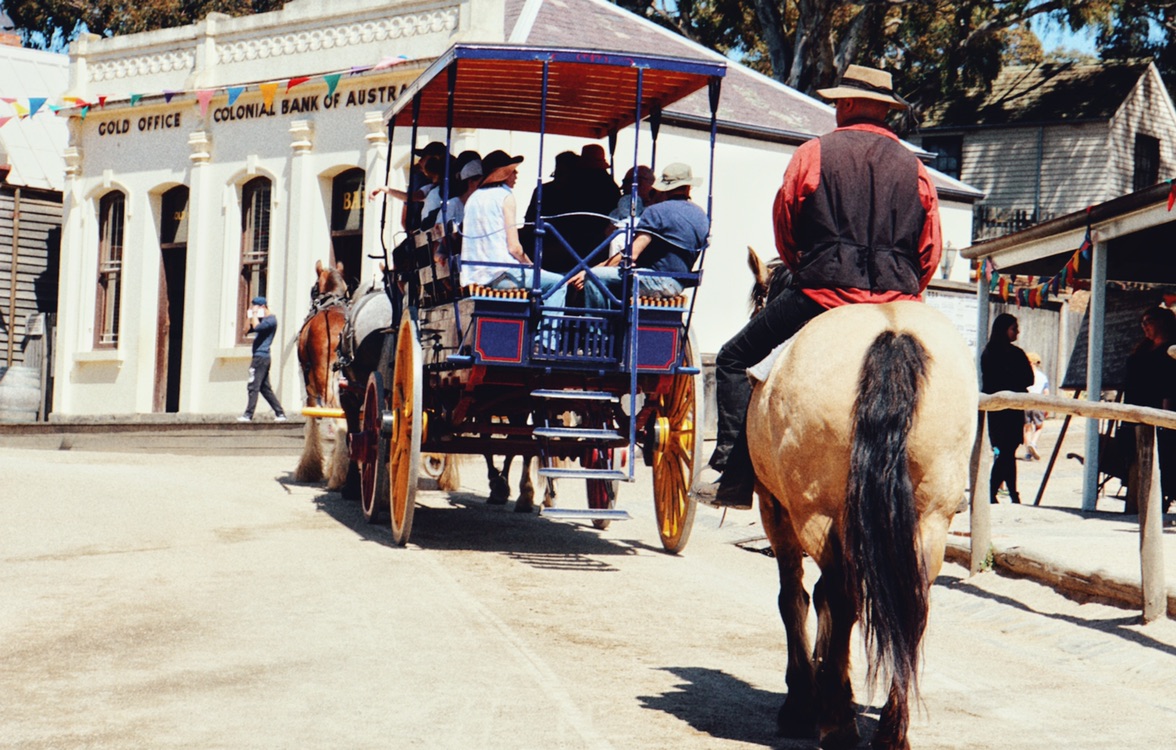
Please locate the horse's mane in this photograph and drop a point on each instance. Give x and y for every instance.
(779, 279)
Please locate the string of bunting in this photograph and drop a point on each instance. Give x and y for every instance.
(1037, 291)
(25, 108)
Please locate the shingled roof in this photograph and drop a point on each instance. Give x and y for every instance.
(749, 98)
(1043, 93)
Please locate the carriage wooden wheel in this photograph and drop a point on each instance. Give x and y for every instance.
(404, 455)
(602, 493)
(373, 456)
(677, 454)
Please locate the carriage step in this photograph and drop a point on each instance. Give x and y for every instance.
(577, 395)
(608, 474)
(460, 359)
(588, 514)
(576, 432)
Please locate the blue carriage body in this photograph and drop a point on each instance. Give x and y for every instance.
(576, 92)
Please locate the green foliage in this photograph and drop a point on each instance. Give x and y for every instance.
(932, 47)
(42, 22)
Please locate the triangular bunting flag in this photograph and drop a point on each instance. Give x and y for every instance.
(203, 97)
(35, 103)
(234, 92)
(21, 110)
(102, 102)
(267, 93)
(56, 108)
(85, 111)
(332, 81)
(135, 99)
(167, 96)
(7, 99)
(389, 61)
(1171, 194)
(357, 69)
(4, 121)
(295, 81)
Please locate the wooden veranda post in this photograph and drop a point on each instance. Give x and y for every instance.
(1151, 525)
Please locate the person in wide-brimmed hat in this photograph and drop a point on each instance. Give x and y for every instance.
(856, 220)
(490, 234)
(669, 238)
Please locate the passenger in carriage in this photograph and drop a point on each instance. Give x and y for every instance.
(561, 196)
(467, 178)
(669, 238)
(645, 179)
(422, 181)
(490, 234)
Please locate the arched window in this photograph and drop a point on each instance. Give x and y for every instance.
(347, 201)
(255, 243)
(111, 221)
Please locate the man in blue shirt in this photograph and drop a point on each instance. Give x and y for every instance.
(265, 325)
(670, 235)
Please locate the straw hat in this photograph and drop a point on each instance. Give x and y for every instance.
(860, 82)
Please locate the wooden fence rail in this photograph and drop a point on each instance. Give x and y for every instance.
(1146, 419)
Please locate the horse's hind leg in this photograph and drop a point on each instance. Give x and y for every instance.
(525, 502)
(837, 723)
(499, 488)
(797, 717)
(310, 463)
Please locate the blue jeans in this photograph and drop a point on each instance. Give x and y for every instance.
(651, 286)
(547, 281)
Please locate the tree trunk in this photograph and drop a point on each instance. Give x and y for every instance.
(775, 37)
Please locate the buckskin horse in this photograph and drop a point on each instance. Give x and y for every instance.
(318, 341)
(860, 437)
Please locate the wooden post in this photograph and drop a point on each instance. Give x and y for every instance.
(1151, 525)
(981, 523)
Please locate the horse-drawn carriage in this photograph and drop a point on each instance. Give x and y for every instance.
(482, 370)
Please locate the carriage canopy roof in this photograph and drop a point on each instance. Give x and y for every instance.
(590, 93)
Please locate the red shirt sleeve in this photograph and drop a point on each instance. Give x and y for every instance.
(800, 180)
(931, 239)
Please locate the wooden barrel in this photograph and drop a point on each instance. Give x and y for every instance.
(20, 394)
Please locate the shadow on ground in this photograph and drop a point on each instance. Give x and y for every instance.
(464, 521)
(1117, 626)
(714, 702)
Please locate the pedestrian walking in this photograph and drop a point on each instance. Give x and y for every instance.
(264, 325)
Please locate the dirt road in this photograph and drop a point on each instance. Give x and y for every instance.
(208, 602)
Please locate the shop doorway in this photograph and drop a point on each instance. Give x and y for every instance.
(173, 248)
(347, 201)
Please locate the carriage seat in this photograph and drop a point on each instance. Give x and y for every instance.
(680, 301)
(477, 290)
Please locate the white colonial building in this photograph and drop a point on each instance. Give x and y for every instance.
(213, 162)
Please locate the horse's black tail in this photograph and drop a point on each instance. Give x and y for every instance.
(886, 575)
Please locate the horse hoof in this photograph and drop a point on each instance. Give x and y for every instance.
(496, 500)
(796, 722)
(841, 738)
(524, 506)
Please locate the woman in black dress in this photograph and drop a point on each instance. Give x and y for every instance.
(1004, 367)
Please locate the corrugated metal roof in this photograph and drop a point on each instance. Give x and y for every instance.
(34, 146)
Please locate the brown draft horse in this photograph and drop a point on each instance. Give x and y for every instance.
(860, 437)
(318, 342)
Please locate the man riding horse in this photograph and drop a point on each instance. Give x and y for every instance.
(856, 220)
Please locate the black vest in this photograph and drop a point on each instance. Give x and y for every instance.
(860, 229)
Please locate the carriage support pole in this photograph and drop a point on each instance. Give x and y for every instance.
(981, 517)
(1151, 525)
